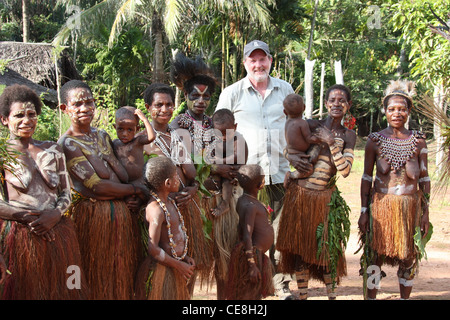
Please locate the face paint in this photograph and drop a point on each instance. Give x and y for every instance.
(337, 103)
(126, 129)
(80, 106)
(198, 99)
(161, 109)
(22, 119)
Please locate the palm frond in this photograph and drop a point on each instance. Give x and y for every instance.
(172, 18)
(126, 10)
(427, 106)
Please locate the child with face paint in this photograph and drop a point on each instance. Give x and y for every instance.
(129, 147)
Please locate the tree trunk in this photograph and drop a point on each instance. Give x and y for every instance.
(158, 58)
(223, 54)
(440, 152)
(26, 20)
(322, 78)
(311, 35)
(309, 66)
(178, 92)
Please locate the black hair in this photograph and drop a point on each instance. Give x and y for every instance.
(292, 101)
(127, 112)
(223, 116)
(157, 88)
(339, 87)
(250, 175)
(18, 93)
(70, 85)
(157, 170)
(186, 73)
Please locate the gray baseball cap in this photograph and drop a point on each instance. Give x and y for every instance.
(254, 45)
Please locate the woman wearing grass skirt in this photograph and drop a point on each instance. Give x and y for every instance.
(38, 241)
(314, 213)
(394, 214)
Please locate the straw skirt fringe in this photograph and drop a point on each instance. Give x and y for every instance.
(155, 281)
(394, 219)
(239, 286)
(303, 210)
(110, 247)
(199, 247)
(39, 268)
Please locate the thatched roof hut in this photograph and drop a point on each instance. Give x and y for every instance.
(36, 62)
(10, 77)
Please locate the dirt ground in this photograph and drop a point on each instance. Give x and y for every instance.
(433, 279)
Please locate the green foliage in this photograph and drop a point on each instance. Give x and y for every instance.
(8, 157)
(48, 125)
(427, 49)
(105, 108)
(337, 233)
(121, 67)
(10, 31)
(420, 242)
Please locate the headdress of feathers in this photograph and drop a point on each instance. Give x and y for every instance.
(403, 88)
(185, 73)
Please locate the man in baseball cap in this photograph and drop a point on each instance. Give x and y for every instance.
(256, 102)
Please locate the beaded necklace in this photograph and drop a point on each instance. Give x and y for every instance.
(175, 149)
(396, 151)
(172, 243)
(199, 132)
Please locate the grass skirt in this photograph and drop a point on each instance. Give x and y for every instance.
(199, 247)
(225, 236)
(303, 210)
(239, 286)
(394, 219)
(157, 282)
(110, 247)
(39, 267)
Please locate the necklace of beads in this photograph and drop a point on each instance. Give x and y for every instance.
(176, 146)
(396, 151)
(199, 132)
(172, 243)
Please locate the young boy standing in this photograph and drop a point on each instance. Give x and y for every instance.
(168, 267)
(250, 271)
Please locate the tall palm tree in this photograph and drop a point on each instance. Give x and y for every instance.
(164, 18)
(158, 14)
(26, 20)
